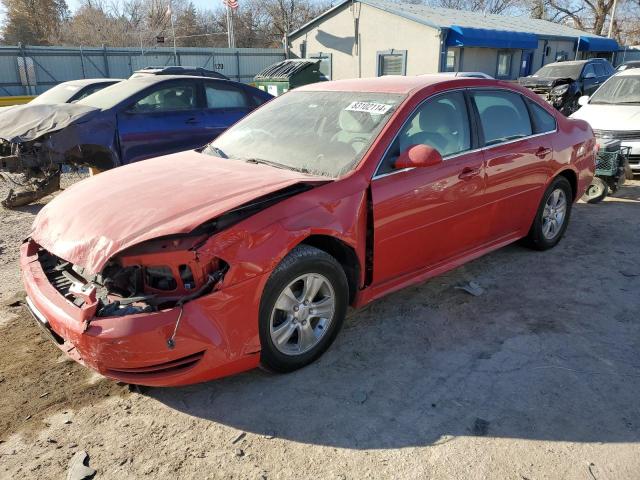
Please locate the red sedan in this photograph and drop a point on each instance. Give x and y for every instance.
(205, 263)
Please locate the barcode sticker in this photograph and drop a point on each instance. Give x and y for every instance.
(369, 107)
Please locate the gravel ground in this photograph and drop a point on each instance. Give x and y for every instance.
(537, 378)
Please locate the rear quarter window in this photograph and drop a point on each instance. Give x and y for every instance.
(542, 120)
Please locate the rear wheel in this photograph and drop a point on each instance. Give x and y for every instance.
(552, 217)
(596, 192)
(302, 309)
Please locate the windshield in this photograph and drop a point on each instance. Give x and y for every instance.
(618, 90)
(323, 133)
(560, 71)
(59, 94)
(111, 96)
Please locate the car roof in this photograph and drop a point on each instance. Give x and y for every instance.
(151, 79)
(82, 82)
(395, 83)
(631, 62)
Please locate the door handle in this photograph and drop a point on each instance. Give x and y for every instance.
(543, 152)
(468, 172)
(192, 121)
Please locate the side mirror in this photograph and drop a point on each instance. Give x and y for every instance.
(589, 76)
(417, 156)
(583, 100)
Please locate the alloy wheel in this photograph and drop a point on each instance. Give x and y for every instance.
(302, 314)
(554, 214)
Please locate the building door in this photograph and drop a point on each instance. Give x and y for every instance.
(526, 63)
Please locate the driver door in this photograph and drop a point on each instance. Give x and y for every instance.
(424, 217)
(590, 81)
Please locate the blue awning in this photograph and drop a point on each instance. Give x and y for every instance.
(597, 44)
(480, 37)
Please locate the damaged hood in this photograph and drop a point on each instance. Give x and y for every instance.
(24, 123)
(548, 82)
(95, 219)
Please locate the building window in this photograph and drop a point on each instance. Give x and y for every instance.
(325, 63)
(392, 62)
(451, 60)
(504, 65)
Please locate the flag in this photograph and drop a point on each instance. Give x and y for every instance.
(232, 4)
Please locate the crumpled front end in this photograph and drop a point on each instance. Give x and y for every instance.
(558, 92)
(153, 316)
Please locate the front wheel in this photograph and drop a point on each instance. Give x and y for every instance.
(552, 217)
(596, 191)
(302, 309)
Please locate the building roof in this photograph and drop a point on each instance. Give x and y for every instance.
(436, 17)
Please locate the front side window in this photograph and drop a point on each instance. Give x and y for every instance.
(222, 96)
(167, 99)
(503, 116)
(600, 70)
(504, 64)
(323, 133)
(589, 71)
(441, 122)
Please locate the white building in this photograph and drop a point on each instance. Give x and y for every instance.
(366, 38)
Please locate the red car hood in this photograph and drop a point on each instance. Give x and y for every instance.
(95, 219)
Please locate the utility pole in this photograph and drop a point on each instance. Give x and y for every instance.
(613, 17)
(173, 33)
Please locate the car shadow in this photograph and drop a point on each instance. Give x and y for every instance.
(546, 353)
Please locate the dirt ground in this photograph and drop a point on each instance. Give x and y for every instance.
(537, 378)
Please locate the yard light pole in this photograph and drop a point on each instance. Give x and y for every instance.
(613, 17)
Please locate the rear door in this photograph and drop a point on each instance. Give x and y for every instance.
(225, 104)
(516, 158)
(426, 216)
(165, 118)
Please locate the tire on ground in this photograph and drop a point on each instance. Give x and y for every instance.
(301, 260)
(536, 239)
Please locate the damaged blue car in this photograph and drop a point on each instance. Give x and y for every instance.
(130, 121)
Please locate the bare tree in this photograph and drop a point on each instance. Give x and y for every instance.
(32, 22)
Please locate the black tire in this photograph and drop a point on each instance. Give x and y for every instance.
(571, 105)
(302, 260)
(536, 239)
(596, 191)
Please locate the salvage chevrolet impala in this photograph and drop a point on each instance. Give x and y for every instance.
(198, 265)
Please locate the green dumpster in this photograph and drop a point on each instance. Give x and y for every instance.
(281, 77)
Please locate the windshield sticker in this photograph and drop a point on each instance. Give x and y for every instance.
(369, 107)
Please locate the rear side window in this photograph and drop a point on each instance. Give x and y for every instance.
(543, 121)
(601, 71)
(503, 116)
(223, 96)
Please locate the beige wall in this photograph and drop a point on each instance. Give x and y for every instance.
(379, 31)
(555, 47)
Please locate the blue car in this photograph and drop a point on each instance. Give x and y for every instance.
(126, 122)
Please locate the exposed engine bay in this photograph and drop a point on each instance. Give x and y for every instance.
(126, 286)
(559, 92)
